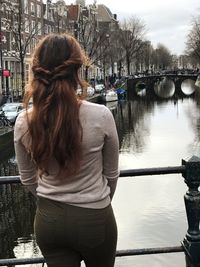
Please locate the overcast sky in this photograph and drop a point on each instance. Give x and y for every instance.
(167, 21)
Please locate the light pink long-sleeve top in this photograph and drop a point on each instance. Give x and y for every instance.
(95, 183)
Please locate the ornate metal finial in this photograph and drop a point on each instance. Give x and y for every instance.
(191, 243)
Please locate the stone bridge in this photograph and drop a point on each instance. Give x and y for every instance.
(149, 82)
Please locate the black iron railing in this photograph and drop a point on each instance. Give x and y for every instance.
(190, 245)
(124, 173)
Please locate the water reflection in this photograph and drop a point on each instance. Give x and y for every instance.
(193, 114)
(16, 213)
(132, 124)
(141, 89)
(188, 87)
(26, 247)
(164, 87)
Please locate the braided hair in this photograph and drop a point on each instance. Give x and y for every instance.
(53, 122)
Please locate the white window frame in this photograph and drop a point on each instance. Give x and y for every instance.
(49, 29)
(46, 29)
(26, 25)
(39, 28)
(39, 11)
(26, 6)
(32, 9)
(33, 26)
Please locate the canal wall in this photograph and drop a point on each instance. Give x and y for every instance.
(16, 220)
(6, 142)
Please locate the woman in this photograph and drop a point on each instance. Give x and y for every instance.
(67, 154)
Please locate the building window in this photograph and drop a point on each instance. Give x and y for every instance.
(45, 28)
(13, 42)
(26, 6)
(26, 25)
(27, 46)
(49, 28)
(32, 9)
(33, 28)
(33, 44)
(28, 49)
(27, 68)
(39, 26)
(50, 15)
(39, 13)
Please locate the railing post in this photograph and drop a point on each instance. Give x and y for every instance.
(191, 242)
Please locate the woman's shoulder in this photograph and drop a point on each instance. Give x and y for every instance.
(97, 113)
(21, 124)
(22, 117)
(93, 107)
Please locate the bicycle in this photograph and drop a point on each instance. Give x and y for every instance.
(4, 122)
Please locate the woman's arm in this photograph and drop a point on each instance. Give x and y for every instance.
(110, 152)
(27, 169)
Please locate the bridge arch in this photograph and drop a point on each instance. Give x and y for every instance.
(150, 81)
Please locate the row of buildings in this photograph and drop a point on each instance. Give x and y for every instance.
(24, 22)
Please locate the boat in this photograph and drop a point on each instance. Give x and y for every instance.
(112, 105)
(121, 93)
(109, 95)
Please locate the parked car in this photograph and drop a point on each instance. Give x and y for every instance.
(12, 110)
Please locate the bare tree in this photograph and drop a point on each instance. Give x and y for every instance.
(117, 51)
(24, 33)
(161, 57)
(143, 58)
(95, 41)
(193, 39)
(131, 37)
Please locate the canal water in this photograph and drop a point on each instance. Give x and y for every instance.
(149, 210)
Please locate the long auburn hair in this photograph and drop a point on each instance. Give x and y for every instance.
(53, 123)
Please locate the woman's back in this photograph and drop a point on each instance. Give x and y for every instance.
(90, 182)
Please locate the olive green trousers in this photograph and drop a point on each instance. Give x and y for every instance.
(68, 234)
